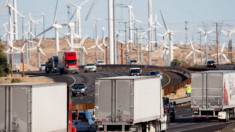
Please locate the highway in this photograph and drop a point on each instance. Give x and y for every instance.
(169, 79)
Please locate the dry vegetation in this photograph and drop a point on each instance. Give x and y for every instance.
(48, 47)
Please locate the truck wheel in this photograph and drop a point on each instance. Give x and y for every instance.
(173, 117)
(144, 128)
(157, 126)
(139, 128)
(227, 116)
(47, 71)
(74, 94)
(85, 71)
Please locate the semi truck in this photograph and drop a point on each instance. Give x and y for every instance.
(129, 103)
(68, 62)
(213, 95)
(35, 107)
(51, 65)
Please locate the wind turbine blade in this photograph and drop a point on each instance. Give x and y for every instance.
(210, 31)
(225, 57)
(132, 14)
(104, 39)
(83, 2)
(164, 21)
(73, 15)
(72, 4)
(85, 50)
(189, 54)
(32, 34)
(222, 48)
(160, 34)
(15, 10)
(97, 40)
(100, 48)
(55, 11)
(3, 35)
(33, 48)
(202, 30)
(122, 42)
(42, 51)
(159, 24)
(92, 6)
(226, 33)
(131, 2)
(191, 43)
(15, 48)
(39, 42)
(139, 21)
(198, 51)
(92, 47)
(44, 31)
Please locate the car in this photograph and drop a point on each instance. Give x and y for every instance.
(210, 64)
(100, 62)
(155, 73)
(135, 72)
(42, 67)
(79, 88)
(169, 109)
(131, 62)
(85, 121)
(90, 67)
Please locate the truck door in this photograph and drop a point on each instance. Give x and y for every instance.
(124, 97)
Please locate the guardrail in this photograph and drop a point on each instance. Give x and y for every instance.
(174, 88)
(145, 67)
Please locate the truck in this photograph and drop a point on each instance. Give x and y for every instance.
(51, 65)
(35, 107)
(68, 62)
(129, 103)
(213, 95)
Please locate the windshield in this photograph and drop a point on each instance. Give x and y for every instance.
(100, 62)
(70, 61)
(43, 65)
(134, 61)
(211, 62)
(76, 86)
(135, 71)
(154, 73)
(81, 116)
(166, 101)
(90, 64)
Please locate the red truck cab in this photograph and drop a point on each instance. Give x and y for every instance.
(68, 62)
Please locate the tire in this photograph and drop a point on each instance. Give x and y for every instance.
(139, 128)
(74, 94)
(227, 116)
(173, 117)
(47, 71)
(51, 71)
(85, 71)
(144, 128)
(157, 126)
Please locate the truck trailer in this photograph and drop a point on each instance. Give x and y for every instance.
(68, 62)
(35, 107)
(129, 103)
(213, 95)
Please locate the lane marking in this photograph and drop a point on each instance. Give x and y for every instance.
(169, 78)
(74, 81)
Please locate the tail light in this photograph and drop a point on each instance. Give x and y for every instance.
(165, 109)
(129, 73)
(84, 120)
(99, 122)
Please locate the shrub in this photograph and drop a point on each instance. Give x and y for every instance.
(4, 67)
(183, 63)
(175, 62)
(16, 80)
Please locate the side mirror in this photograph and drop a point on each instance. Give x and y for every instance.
(174, 103)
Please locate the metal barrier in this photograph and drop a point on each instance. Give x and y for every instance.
(174, 88)
(229, 128)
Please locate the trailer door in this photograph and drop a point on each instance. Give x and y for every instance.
(3, 104)
(124, 96)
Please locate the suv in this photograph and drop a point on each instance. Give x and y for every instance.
(132, 62)
(79, 88)
(135, 72)
(100, 62)
(90, 67)
(169, 109)
(210, 64)
(155, 73)
(85, 121)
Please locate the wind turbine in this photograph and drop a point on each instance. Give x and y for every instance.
(221, 54)
(10, 8)
(43, 17)
(193, 52)
(206, 33)
(156, 23)
(170, 33)
(96, 46)
(229, 33)
(78, 22)
(117, 38)
(95, 24)
(104, 45)
(57, 31)
(82, 50)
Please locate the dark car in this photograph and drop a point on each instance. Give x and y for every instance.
(210, 64)
(79, 88)
(155, 73)
(135, 72)
(169, 109)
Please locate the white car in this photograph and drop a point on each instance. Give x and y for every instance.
(100, 62)
(42, 68)
(90, 67)
(131, 62)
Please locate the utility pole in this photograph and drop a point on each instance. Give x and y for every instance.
(136, 40)
(201, 46)
(156, 44)
(68, 6)
(103, 28)
(114, 32)
(111, 35)
(44, 34)
(121, 55)
(11, 65)
(231, 48)
(106, 51)
(217, 41)
(186, 33)
(75, 27)
(23, 64)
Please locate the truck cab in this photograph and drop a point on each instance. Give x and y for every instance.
(67, 62)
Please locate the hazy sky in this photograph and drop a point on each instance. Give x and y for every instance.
(175, 12)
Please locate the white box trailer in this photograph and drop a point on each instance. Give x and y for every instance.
(129, 103)
(33, 107)
(213, 94)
